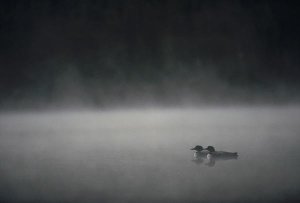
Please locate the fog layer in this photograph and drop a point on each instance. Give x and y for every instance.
(108, 53)
(144, 155)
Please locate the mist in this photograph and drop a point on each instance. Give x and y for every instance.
(101, 101)
(143, 155)
(127, 53)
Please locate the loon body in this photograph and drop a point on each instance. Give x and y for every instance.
(199, 153)
(211, 155)
(219, 154)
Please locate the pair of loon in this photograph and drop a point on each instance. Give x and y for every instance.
(210, 152)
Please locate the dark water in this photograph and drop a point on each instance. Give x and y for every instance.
(144, 156)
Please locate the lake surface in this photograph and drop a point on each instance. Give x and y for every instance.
(144, 155)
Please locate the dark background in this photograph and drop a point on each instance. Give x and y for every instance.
(63, 53)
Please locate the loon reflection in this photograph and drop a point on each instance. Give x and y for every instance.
(211, 155)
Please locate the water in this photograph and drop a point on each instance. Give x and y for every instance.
(144, 156)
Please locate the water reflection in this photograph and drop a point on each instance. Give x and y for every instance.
(210, 160)
(198, 160)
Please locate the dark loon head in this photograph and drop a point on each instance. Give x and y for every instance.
(198, 148)
(210, 149)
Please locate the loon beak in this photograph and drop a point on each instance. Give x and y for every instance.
(193, 148)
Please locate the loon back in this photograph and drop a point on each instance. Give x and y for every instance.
(215, 153)
(224, 154)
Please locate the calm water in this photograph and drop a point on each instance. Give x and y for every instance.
(144, 156)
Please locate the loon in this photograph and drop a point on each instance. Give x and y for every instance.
(199, 153)
(219, 154)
